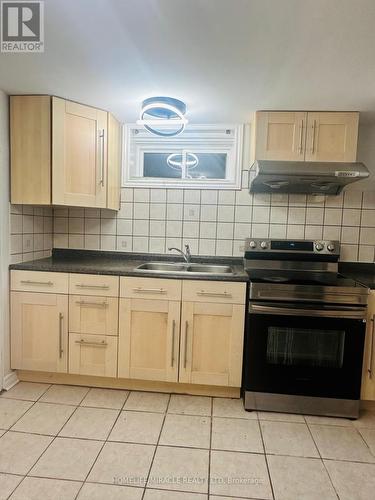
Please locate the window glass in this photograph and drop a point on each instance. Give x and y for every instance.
(185, 165)
(203, 156)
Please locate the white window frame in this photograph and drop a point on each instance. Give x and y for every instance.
(210, 134)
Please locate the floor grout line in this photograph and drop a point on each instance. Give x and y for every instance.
(210, 449)
(266, 459)
(321, 458)
(165, 413)
(101, 448)
(156, 447)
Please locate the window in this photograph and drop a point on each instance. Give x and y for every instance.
(203, 156)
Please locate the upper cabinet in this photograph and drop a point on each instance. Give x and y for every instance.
(331, 136)
(79, 154)
(63, 153)
(280, 136)
(306, 136)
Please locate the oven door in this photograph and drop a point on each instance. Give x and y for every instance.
(305, 350)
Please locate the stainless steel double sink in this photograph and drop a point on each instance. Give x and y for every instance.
(183, 268)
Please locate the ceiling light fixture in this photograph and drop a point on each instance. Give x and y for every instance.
(177, 165)
(163, 113)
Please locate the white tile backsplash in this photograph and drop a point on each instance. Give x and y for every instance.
(314, 215)
(212, 222)
(279, 215)
(217, 222)
(31, 230)
(332, 217)
(351, 217)
(296, 215)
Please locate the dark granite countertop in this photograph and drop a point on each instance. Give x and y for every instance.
(124, 264)
(359, 271)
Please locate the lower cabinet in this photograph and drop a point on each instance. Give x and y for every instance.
(93, 314)
(205, 349)
(149, 339)
(166, 330)
(368, 376)
(211, 343)
(93, 355)
(39, 331)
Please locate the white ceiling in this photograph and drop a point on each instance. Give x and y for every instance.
(224, 58)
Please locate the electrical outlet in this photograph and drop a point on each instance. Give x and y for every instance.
(27, 243)
(191, 212)
(124, 244)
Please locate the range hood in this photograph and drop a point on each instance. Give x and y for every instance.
(266, 176)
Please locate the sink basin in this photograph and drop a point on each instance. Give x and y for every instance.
(209, 269)
(181, 267)
(163, 267)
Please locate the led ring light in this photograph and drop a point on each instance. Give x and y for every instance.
(164, 111)
(177, 165)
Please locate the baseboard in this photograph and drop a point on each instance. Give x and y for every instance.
(10, 380)
(367, 405)
(130, 384)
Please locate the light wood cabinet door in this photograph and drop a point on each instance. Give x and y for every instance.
(92, 355)
(39, 331)
(149, 339)
(93, 314)
(79, 154)
(211, 343)
(332, 137)
(280, 135)
(30, 149)
(114, 163)
(368, 376)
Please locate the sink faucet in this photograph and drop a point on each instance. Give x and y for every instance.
(186, 255)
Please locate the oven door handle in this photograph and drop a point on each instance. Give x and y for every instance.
(345, 312)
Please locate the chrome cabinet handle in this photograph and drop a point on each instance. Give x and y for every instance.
(103, 343)
(348, 312)
(369, 369)
(101, 136)
(99, 287)
(300, 137)
(214, 294)
(61, 350)
(149, 290)
(93, 304)
(32, 282)
(173, 335)
(185, 347)
(313, 138)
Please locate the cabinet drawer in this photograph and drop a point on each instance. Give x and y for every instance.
(150, 288)
(214, 291)
(39, 281)
(93, 314)
(92, 355)
(92, 284)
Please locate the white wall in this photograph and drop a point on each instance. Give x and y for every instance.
(366, 154)
(4, 237)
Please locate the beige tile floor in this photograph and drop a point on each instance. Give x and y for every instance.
(65, 443)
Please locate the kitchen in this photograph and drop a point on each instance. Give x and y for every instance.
(187, 253)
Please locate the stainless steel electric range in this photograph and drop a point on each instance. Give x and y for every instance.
(305, 329)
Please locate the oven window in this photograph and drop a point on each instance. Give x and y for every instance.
(304, 346)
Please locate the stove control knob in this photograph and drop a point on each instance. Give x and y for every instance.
(264, 245)
(330, 247)
(319, 246)
(253, 244)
